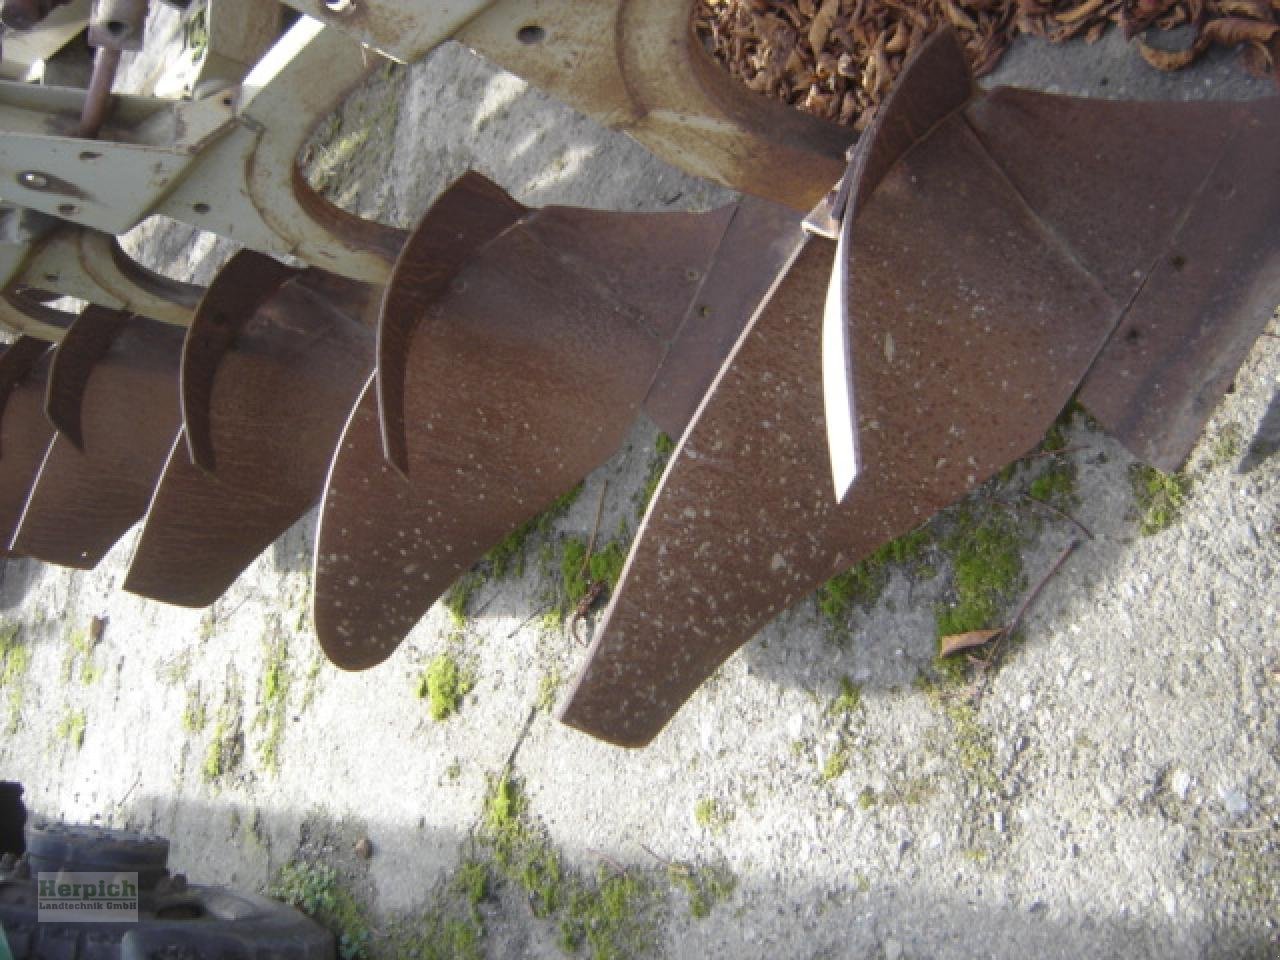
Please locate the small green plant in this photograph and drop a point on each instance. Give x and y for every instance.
(1161, 497)
(15, 657)
(607, 917)
(194, 715)
(863, 584)
(663, 447)
(317, 891)
(866, 798)
(275, 695)
(710, 814)
(472, 881)
(443, 685)
(847, 701)
(577, 572)
(836, 764)
(71, 728)
(226, 747)
(548, 688)
(987, 559)
(15, 661)
(458, 597)
(706, 886)
(1056, 486)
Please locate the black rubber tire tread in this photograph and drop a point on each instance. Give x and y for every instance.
(231, 925)
(76, 847)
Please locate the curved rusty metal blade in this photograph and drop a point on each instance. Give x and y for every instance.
(80, 351)
(274, 408)
(952, 388)
(121, 375)
(935, 82)
(228, 306)
(24, 310)
(467, 215)
(522, 377)
(25, 432)
(759, 242)
(1175, 208)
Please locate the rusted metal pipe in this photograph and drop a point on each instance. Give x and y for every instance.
(97, 101)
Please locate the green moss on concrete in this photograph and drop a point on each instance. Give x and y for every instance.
(847, 701)
(1161, 497)
(443, 685)
(1055, 485)
(986, 556)
(71, 728)
(274, 701)
(15, 662)
(862, 585)
(318, 891)
(663, 447)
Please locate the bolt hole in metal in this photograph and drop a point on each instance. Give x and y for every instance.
(117, 28)
(88, 156)
(68, 209)
(33, 180)
(531, 34)
(201, 208)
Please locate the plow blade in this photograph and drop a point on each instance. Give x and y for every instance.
(25, 432)
(113, 392)
(520, 376)
(271, 367)
(977, 307)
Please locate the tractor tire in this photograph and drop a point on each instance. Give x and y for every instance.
(54, 847)
(193, 923)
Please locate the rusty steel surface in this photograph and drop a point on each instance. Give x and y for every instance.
(1206, 298)
(520, 379)
(468, 215)
(758, 242)
(25, 432)
(88, 496)
(228, 308)
(963, 369)
(1000, 252)
(79, 352)
(280, 391)
(935, 83)
(637, 66)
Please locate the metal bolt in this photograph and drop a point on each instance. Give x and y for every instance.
(34, 180)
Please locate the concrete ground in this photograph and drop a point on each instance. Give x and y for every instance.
(1115, 791)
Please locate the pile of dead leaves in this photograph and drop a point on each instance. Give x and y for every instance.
(837, 58)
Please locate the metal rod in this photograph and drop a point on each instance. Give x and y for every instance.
(97, 102)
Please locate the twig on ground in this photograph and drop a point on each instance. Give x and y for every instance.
(1007, 632)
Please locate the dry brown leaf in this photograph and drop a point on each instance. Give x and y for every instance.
(956, 642)
(958, 17)
(1257, 9)
(1084, 10)
(822, 23)
(1232, 30)
(1169, 59)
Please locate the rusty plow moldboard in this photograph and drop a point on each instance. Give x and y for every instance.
(987, 258)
